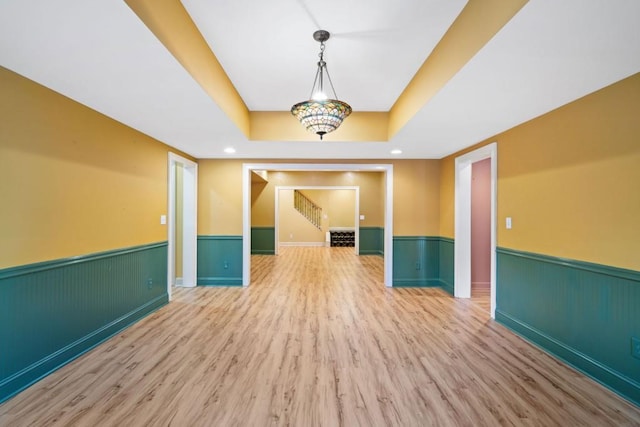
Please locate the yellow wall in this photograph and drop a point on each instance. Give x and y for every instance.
(447, 192)
(72, 180)
(293, 226)
(416, 197)
(262, 204)
(338, 206)
(338, 210)
(82, 183)
(416, 194)
(369, 182)
(570, 180)
(220, 197)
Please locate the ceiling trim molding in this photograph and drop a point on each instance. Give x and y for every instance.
(170, 22)
(478, 22)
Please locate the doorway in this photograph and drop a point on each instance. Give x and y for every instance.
(481, 233)
(182, 220)
(356, 221)
(387, 169)
(463, 253)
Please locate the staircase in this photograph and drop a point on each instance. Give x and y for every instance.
(308, 209)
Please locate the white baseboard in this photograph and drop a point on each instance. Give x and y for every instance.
(306, 244)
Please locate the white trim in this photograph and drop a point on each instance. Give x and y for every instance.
(190, 221)
(344, 228)
(462, 262)
(246, 224)
(387, 169)
(276, 222)
(388, 228)
(304, 244)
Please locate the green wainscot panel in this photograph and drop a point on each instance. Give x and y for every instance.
(371, 241)
(446, 264)
(52, 312)
(416, 261)
(220, 260)
(586, 314)
(263, 240)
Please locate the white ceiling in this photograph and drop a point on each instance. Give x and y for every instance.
(375, 48)
(100, 54)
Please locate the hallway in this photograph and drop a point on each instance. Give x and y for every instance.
(316, 339)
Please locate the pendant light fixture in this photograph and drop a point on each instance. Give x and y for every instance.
(321, 114)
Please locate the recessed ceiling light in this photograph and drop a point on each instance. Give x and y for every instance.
(229, 150)
(396, 151)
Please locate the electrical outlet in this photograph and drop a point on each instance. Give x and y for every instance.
(635, 347)
(226, 265)
(417, 265)
(149, 283)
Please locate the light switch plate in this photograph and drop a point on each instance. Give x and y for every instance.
(508, 223)
(361, 217)
(163, 219)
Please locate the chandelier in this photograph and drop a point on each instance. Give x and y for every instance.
(321, 114)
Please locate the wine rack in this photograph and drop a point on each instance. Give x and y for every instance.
(343, 238)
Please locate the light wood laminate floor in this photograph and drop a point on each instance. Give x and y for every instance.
(317, 340)
(481, 296)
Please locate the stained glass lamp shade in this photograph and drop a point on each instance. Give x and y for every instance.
(320, 114)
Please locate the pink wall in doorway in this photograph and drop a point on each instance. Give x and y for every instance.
(481, 224)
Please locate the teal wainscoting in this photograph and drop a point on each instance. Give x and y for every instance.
(416, 261)
(54, 311)
(220, 260)
(263, 240)
(583, 313)
(446, 265)
(371, 241)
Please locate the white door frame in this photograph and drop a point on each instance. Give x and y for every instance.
(316, 187)
(462, 257)
(247, 168)
(189, 223)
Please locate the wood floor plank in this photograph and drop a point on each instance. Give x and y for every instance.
(317, 340)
